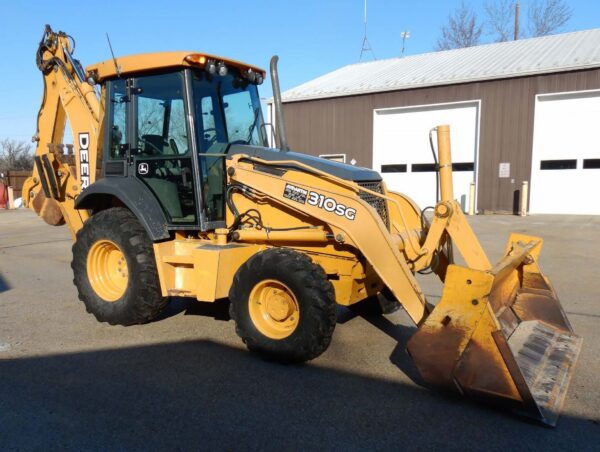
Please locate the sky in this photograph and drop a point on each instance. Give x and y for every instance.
(311, 37)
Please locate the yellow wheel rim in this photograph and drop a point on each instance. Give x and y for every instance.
(107, 270)
(274, 309)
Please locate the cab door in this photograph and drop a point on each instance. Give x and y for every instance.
(116, 138)
(161, 150)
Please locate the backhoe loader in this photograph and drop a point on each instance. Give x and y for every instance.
(171, 190)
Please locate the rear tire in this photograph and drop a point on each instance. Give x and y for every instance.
(283, 306)
(114, 269)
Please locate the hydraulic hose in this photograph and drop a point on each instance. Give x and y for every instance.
(437, 169)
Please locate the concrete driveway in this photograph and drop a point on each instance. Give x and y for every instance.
(186, 381)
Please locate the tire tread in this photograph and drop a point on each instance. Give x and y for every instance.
(317, 288)
(142, 303)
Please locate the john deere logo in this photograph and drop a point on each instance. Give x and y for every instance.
(84, 159)
(143, 168)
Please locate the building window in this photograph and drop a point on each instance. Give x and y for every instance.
(431, 167)
(396, 168)
(463, 166)
(423, 167)
(558, 164)
(591, 163)
(334, 157)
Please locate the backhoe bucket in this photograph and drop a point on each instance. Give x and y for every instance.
(501, 335)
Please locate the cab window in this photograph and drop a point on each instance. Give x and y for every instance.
(161, 128)
(117, 135)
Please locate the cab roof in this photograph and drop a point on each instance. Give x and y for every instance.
(146, 62)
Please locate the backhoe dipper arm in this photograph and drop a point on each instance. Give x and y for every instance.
(60, 173)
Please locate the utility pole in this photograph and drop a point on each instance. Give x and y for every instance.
(405, 35)
(517, 13)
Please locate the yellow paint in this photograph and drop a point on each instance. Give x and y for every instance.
(66, 97)
(274, 309)
(107, 270)
(262, 235)
(135, 64)
(445, 162)
(366, 232)
(199, 268)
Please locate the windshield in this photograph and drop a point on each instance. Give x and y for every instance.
(227, 112)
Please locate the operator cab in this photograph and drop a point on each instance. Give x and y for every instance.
(170, 130)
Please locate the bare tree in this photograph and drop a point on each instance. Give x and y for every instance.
(547, 16)
(462, 30)
(500, 19)
(15, 155)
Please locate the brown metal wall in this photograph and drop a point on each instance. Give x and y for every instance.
(16, 179)
(345, 125)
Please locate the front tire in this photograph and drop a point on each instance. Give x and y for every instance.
(283, 306)
(114, 269)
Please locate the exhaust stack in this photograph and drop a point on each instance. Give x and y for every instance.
(279, 121)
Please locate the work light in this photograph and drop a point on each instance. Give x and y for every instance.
(211, 67)
(222, 69)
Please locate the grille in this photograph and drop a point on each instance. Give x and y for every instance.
(379, 204)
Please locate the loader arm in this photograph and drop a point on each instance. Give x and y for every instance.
(61, 172)
(364, 230)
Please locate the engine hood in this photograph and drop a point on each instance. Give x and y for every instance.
(341, 170)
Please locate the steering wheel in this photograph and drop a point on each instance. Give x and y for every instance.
(213, 138)
(156, 150)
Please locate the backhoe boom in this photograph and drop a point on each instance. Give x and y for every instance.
(61, 172)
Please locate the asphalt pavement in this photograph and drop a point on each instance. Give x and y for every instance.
(186, 382)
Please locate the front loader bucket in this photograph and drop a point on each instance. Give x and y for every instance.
(501, 335)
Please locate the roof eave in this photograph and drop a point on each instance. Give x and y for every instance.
(552, 70)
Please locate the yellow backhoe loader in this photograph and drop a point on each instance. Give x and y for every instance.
(170, 189)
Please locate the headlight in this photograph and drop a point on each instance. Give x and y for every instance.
(222, 69)
(211, 66)
(251, 75)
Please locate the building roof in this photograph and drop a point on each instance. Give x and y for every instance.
(548, 54)
(160, 60)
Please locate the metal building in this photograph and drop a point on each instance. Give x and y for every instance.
(519, 111)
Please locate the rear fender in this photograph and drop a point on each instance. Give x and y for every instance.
(135, 196)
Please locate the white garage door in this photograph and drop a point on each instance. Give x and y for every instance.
(565, 172)
(401, 150)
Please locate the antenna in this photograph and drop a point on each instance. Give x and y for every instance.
(517, 14)
(117, 68)
(404, 35)
(366, 46)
